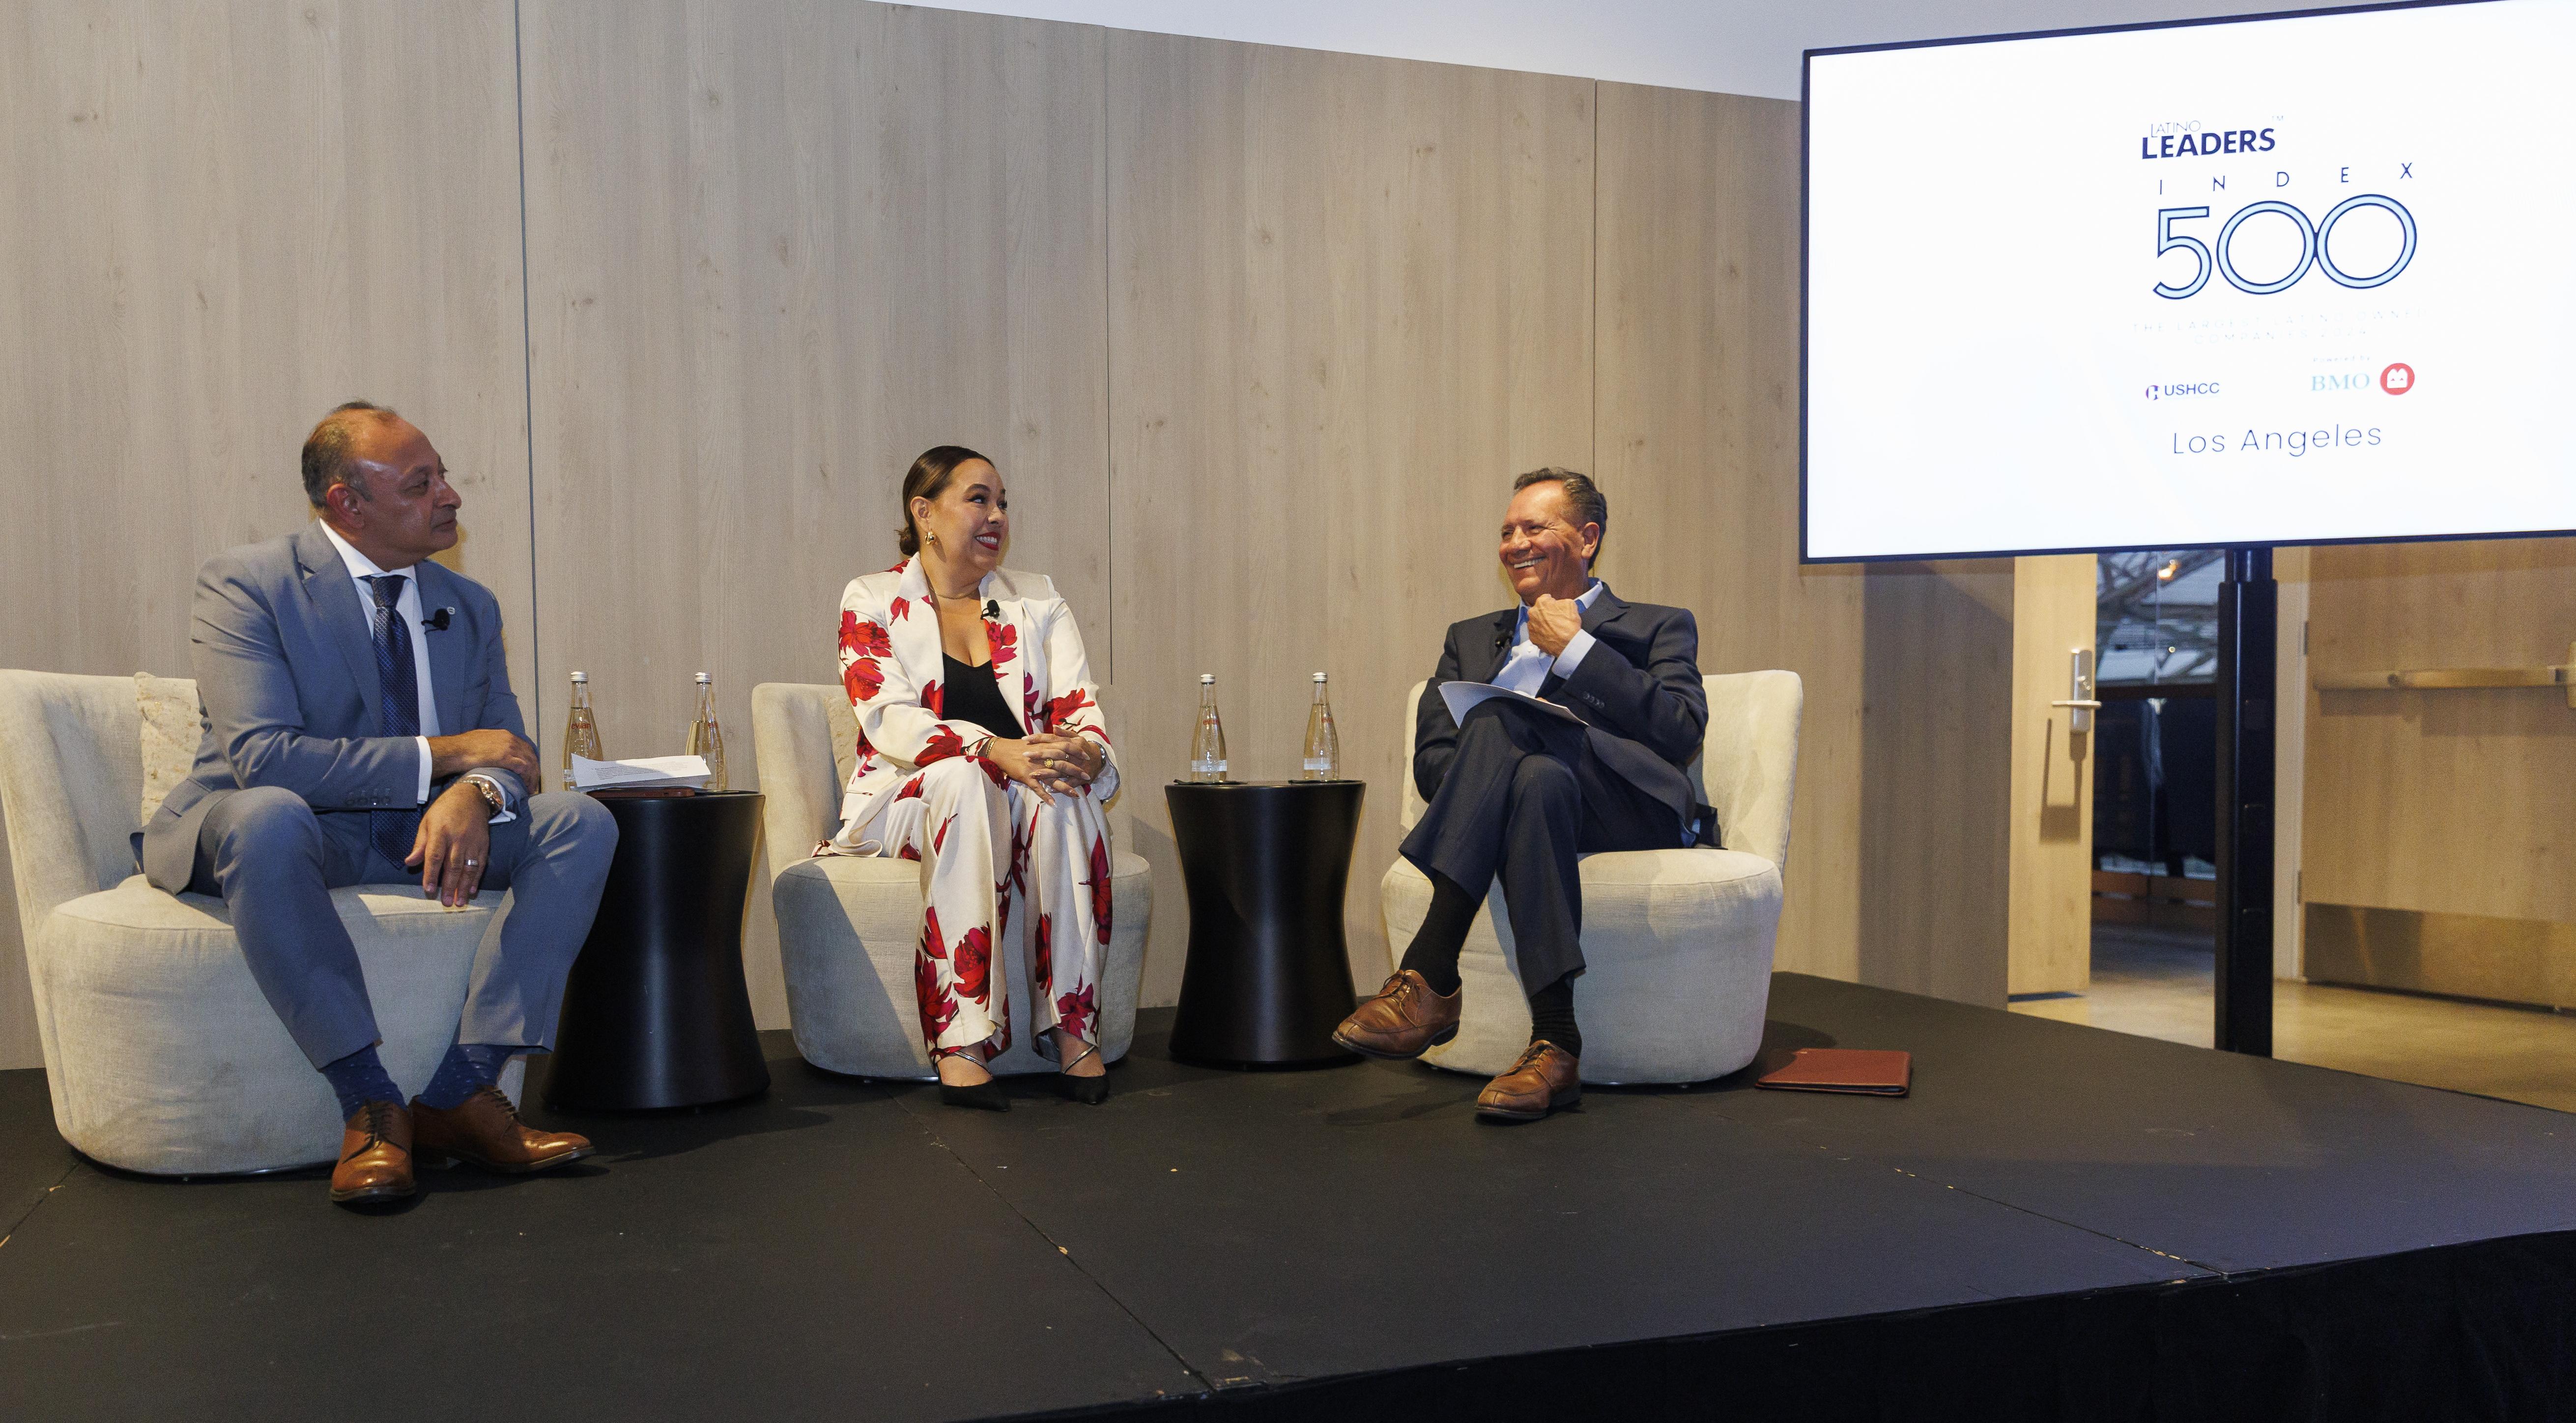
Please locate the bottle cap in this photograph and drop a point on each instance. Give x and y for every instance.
(581, 676)
(704, 678)
(1319, 676)
(1207, 679)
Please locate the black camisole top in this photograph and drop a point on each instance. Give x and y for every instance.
(974, 694)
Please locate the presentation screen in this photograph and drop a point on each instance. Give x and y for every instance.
(2267, 281)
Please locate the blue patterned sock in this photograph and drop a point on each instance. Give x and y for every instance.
(467, 1069)
(358, 1079)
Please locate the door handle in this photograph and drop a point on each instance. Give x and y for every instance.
(2080, 702)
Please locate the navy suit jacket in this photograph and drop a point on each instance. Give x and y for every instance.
(1638, 692)
(289, 696)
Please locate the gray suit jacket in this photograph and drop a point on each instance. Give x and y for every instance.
(286, 675)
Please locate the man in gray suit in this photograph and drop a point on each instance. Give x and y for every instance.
(360, 729)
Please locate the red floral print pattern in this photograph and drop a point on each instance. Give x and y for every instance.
(933, 698)
(899, 609)
(863, 638)
(911, 789)
(1075, 1012)
(1005, 640)
(943, 743)
(1061, 711)
(974, 963)
(1099, 883)
(938, 1004)
(939, 841)
(1042, 957)
(861, 679)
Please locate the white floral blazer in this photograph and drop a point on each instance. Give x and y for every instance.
(891, 666)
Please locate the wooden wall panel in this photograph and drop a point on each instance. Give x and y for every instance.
(775, 251)
(2050, 941)
(1351, 298)
(1936, 777)
(2450, 802)
(1697, 385)
(221, 221)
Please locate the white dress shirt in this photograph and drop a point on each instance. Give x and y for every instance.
(1526, 669)
(361, 568)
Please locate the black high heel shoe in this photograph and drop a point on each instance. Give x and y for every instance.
(986, 1096)
(1089, 1091)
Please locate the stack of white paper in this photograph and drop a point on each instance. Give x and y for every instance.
(1464, 697)
(641, 773)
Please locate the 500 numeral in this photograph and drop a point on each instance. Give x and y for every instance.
(2313, 237)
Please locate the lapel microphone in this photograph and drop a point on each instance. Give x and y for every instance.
(993, 609)
(437, 622)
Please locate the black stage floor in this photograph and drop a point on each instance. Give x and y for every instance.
(2060, 1222)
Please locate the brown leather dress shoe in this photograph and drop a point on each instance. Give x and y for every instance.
(375, 1156)
(485, 1129)
(1403, 1019)
(1542, 1081)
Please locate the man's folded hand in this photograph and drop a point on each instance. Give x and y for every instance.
(475, 750)
(1553, 622)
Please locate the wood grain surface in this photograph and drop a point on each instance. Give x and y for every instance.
(1351, 299)
(2454, 801)
(775, 251)
(2050, 940)
(1697, 384)
(222, 220)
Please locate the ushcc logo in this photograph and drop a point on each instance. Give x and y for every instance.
(2398, 379)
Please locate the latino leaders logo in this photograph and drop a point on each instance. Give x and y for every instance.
(2398, 379)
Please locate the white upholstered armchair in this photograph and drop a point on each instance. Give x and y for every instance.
(160, 1051)
(1676, 943)
(848, 924)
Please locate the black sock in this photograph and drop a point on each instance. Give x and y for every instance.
(1552, 1016)
(1434, 951)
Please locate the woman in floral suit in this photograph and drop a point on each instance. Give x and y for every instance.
(982, 754)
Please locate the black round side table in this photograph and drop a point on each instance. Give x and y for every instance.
(1269, 975)
(655, 1013)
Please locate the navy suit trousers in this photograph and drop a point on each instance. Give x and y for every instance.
(1524, 799)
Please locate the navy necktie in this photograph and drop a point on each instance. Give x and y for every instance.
(399, 678)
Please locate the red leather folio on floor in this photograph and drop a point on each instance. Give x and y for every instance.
(1841, 1069)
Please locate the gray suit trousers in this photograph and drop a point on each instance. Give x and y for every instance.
(275, 861)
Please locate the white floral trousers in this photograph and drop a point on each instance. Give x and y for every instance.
(987, 845)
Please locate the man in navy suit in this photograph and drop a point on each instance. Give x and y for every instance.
(1521, 790)
(360, 729)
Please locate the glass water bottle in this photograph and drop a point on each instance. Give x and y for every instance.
(1207, 744)
(1323, 747)
(581, 729)
(705, 737)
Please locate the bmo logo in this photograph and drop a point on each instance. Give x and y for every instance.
(2398, 379)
